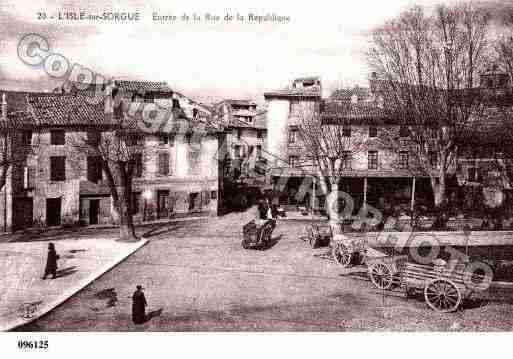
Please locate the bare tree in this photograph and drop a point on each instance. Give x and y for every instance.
(427, 67)
(326, 149)
(117, 145)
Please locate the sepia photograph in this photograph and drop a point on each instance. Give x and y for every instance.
(255, 167)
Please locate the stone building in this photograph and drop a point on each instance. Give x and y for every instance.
(371, 173)
(244, 138)
(59, 183)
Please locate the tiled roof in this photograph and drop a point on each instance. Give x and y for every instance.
(17, 112)
(67, 110)
(145, 86)
(313, 92)
(347, 93)
(367, 112)
(240, 102)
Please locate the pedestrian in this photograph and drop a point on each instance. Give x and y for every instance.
(139, 306)
(51, 261)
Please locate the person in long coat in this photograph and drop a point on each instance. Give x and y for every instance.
(51, 261)
(139, 306)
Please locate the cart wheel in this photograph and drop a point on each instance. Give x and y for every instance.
(442, 295)
(314, 241)
(381, 275)
(342, 254)
(266, 235)
(309, 234)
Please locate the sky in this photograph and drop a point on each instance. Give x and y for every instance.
(208, 61)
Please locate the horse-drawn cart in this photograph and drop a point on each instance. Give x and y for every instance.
(255, 236)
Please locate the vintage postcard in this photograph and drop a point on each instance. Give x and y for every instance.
(262, 166)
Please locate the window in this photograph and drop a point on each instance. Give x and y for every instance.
(433, 158)
(347, 158)
(138, 166)
(239, 134)
(93, 138)
(403, 159)
(163, 139)
(236, 152)
(57, 137)
(194, 162)
(163, 163)
(473, 174)
(176, 103)
(58, 168)
(171, 140)
(29, 176)
(293, 161)
(259, 134)
(213, 195)
(194, 112)
(27, 138)
(404, 131)
(373, 160)
(134, 140)
(346, 130)
(259, 151)
(94, 169)
(292, 135)
(373, 131)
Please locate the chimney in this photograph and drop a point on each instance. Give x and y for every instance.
(4, 106)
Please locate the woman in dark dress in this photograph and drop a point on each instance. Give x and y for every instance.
(139, 306)
(51, 261)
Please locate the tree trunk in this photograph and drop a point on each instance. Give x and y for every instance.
(439, 193)
(333, 206)
(126, 223)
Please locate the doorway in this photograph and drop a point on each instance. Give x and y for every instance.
(53, 212)
(94, 211)
(163, 203)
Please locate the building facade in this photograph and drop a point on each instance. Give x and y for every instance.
(244, 141)
(58, 182)
(371, 173)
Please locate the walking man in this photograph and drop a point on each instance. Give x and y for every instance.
(51, 261)
(139, 306)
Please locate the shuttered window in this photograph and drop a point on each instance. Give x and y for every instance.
(138, 166)
(57, 137)
(58, 168)
(94, 169)
(163, 163)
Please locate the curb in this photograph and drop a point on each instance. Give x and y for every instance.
(73, 290)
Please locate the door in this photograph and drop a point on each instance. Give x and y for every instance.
(162, 205)
(23, 213)
(53, 212)
(94, 211)
(194, 199)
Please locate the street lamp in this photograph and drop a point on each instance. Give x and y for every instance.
(147, 194)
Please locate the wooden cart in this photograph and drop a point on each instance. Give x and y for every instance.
(384, 266)
(444, 288)
(318, 234)
(254, 237)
